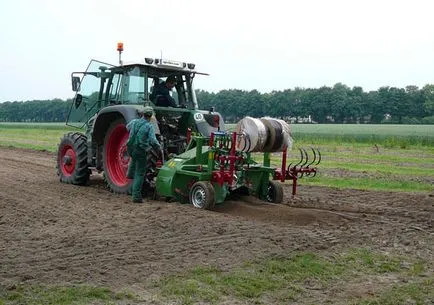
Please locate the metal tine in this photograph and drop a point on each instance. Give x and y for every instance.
(319, 157)
(314, 157)
(289, 167)
(304, 164)
(299, 162)
(312, 162)
(307, 158)
(318, 153)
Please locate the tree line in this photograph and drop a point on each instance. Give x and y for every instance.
(55, 110)
(337, 104)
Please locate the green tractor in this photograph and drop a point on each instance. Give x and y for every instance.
(107, 98)
(200, 162)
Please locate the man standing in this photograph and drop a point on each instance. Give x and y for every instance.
(160, 96)
(141, 139)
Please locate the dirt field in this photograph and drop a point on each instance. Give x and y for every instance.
(57, 233)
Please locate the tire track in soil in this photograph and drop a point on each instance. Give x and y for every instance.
(54, 232)
(399, 209)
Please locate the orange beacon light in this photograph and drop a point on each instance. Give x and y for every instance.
(120, 46)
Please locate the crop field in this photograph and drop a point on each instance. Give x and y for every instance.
(45, 135)
(388, 135)
(360, 232)
(39, 136)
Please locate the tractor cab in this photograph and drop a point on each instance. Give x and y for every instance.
(103, 85)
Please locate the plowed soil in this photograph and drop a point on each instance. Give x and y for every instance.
(58, 233)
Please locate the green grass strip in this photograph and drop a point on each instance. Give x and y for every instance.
(419, 293)
(280, 279)
(368, 184)
(38, 139)
(54, 126)
(380, 168)
(252, 281)
(57, 295)
(365, 129)
(388, 141)
(405, 158)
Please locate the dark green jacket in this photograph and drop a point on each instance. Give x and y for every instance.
(142, 136)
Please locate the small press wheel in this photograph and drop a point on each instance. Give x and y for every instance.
(202, 195)
(275, 192)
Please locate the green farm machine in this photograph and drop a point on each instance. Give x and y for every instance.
(200, 162)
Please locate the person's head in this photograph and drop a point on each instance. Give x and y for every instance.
(139, 113)
(170, 82)
(148, 111)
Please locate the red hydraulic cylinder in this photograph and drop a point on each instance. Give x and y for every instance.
(211, 139)
(232, 158)
(188, 135)
(283, 173)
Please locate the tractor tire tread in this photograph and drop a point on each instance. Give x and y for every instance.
(110, 184)
(81, 174)
(276, 189)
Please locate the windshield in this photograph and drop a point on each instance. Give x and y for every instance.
(172, 90)
(133, 87)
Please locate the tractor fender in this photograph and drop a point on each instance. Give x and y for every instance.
(109, 114)
(203, 120)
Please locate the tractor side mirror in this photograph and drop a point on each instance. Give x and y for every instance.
(78, 100)
(75, 83)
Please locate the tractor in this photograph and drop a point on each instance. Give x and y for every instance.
(200, 162)
(107, 98)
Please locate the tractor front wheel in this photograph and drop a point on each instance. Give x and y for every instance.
(202, 195)
(72, 164)
(275, 192)
(116, 158)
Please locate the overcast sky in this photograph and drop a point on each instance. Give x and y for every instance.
(264, 45)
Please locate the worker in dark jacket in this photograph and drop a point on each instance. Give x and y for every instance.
(140, 141)
(160, 96)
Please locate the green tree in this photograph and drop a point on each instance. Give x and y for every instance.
(428, 97)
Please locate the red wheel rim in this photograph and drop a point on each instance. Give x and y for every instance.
(68, 159)
(117, 157)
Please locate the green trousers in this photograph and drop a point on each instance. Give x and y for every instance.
(137, 171)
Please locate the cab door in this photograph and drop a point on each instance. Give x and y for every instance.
(90, 96)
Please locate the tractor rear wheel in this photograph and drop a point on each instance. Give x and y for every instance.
(275, 192)
(115, 158)
(202, 195)
(72, 164)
